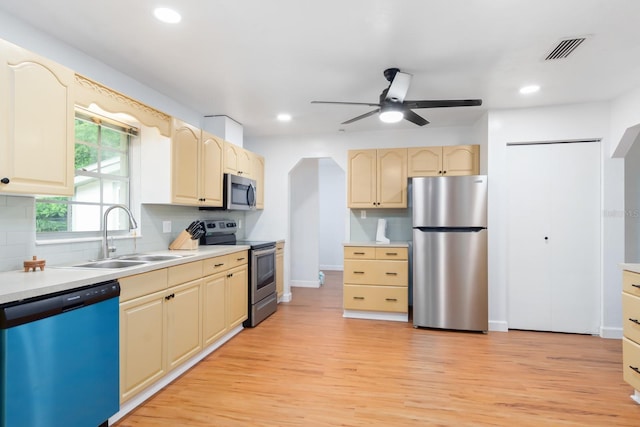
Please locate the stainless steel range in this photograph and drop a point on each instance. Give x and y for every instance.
(263, 300)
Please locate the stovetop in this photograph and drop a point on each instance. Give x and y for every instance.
(222, 232)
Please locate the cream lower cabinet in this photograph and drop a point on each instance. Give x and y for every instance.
(280, 269)
(225, 293)
(376, 280)
(631, 330)
(36, 124)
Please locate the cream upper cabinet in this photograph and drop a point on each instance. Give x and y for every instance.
(36, 124)
(237, 160)
(452, 160)
(257, 173)
(377, 178)
(185, 169)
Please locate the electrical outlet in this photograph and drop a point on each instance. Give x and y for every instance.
(363, 214)
(166, 226)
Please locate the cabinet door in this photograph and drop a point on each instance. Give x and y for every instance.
(257, 172)
(392, 178)
(280, 270)
(36, 124)
(142, 344)
(211, 154)
(461, 160)
(245, 163)
(214, 323)
(424, 161)
(183, 322)
(185, 142)
(231, 159)
(362, 173)
(238, 290)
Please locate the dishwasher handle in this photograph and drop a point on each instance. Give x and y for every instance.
(32, 309)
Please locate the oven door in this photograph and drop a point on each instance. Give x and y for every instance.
(263, 274)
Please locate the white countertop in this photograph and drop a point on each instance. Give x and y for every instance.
(390, 244)
(18, 284)
(631, 267)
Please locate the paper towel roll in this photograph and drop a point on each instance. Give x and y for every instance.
(382, 231)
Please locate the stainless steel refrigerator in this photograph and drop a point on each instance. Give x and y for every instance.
(450, 252)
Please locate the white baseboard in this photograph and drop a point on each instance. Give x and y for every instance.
(376, 315)
(304, 283)
(498, 326)
(611, 333)
(332, 267)
(140, 398)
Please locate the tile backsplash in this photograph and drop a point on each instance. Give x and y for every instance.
(18, 235)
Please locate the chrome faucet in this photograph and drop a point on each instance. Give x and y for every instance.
(106, 249)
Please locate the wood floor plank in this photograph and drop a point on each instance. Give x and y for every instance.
(308, 366)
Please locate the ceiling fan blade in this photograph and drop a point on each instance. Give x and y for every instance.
(365, 115)
(399, 86)
(346, 103)
(414, 118)
(440, 103)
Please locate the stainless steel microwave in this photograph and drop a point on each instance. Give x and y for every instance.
(239, 193)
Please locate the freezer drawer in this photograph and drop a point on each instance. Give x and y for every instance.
(450, 279)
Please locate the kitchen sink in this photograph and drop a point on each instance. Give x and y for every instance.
(110, 263)
(150, 258)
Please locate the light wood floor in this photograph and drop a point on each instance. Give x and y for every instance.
(308, 366)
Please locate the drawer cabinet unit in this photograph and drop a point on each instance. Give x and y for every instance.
(376, 282)
(631, 330)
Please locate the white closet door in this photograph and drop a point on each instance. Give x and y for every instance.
(529, 280)
(554, 237)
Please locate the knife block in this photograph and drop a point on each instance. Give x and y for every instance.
(184, 242)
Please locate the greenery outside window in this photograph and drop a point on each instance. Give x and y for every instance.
(101, 180)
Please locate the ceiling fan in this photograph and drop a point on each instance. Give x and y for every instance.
(393, 107)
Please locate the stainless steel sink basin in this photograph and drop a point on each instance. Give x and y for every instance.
(150, 258)
(110, 263)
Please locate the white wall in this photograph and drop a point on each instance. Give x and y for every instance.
(547, 124)
(333, 205)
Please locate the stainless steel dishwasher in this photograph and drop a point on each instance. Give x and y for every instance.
(59, 358)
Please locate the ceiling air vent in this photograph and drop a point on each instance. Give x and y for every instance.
(564, 48)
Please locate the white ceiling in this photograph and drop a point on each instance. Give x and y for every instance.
(252, 59)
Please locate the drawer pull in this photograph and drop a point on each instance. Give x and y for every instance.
(635, 321)
(240, 259)
(358, 253)
(391, 299)
(392, 253)
(358, 297)
(391, 274)
(635, 286)
(635, 368)
(358, 272)
(218, 265)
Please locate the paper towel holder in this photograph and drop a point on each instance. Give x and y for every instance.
(382, 231)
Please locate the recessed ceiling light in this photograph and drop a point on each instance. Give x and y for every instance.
(284, 117)
(525, 90)
(167, 15)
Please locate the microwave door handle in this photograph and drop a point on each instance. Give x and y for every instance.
(251, 195)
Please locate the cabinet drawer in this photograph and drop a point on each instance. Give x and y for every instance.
(392, 253)
(631, 362)
(142, 284)
(185, 273)
(375, 298)
(631, 316)
(373, 272)
(631, 282)
(215, 265)
(359, 252)
(238, 258)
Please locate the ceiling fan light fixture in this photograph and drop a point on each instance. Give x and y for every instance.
(391, 114)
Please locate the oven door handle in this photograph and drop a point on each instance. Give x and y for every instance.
(261, 252)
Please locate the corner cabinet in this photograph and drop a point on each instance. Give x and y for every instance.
(631, 330)
(36, 124)
(376, 282)
(377, 178)
(452, 160)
